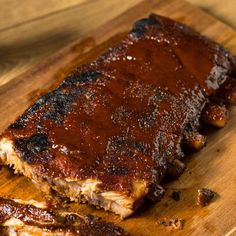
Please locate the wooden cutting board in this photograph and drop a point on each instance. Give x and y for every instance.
(213, 167)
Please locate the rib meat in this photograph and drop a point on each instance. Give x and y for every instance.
(33, 218)
(108, 134)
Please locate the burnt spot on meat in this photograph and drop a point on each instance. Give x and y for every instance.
(142, 25)
(140, 146)
(168, 145)
(115, 144)
(123, 146)
(33, 146)
(38, 104)
(77, 78)
(60, 100)
(60, 103)
(18, 125)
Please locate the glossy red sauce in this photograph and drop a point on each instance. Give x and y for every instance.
(127, 119)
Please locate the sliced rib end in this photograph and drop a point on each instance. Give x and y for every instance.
(77, 190)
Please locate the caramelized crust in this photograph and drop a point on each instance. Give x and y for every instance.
(120, 120)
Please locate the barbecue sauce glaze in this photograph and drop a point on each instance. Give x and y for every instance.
(123, 116)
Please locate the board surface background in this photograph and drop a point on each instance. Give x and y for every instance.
(213, 167)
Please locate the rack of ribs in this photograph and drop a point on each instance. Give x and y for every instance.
(111, 131)
(36, 218)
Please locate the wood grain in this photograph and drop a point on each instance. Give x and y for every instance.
(14, 14)
(223, 10)
(213, 167)
(24, 46)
